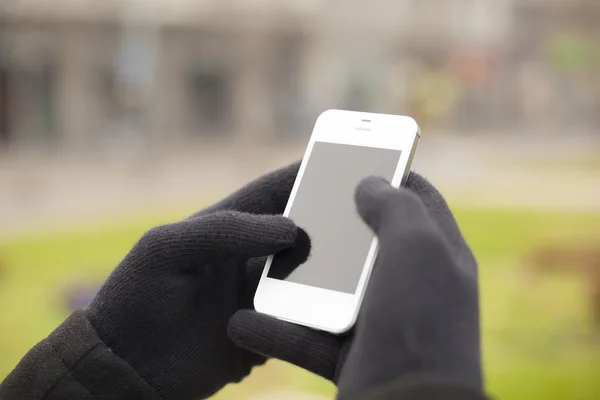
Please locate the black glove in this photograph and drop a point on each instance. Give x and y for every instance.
(165, 308)
(325, 354)
(420, 315)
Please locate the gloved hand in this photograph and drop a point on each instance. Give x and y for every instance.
(165, 308)
(420, 312)
(420, 316)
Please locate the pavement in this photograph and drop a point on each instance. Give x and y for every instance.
(38, 193)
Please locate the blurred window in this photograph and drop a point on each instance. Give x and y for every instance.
(4, 106)
(210, 102)
(286, 85)
(35, 88)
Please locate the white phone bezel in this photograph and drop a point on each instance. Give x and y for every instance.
(325, 309)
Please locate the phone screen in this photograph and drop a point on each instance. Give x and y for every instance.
(324, 207)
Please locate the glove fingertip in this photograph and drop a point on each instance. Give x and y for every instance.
(421, 186)
(295, 255)
(369, 197)
(275, 230)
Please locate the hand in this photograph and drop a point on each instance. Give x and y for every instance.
(392, 308)
(165, 308)
(420, 314)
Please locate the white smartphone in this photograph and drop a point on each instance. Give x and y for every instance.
(326, 291)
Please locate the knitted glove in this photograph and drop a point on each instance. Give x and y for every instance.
(420, 315)
(398, 309)
(165, 308)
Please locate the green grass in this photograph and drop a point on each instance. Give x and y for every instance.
(581, 164)
(538, 338)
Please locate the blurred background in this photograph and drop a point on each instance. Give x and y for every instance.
(118, 115)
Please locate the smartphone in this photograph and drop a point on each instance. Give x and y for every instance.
(326, 291)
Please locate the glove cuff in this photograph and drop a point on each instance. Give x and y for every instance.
(74, 362)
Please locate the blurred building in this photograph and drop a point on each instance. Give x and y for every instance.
(80, 73)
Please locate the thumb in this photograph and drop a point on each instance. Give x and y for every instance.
(223, 235)
(284, 263)
(317, 352)
(380, 204)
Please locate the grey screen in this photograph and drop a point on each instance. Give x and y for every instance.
(324, 206)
